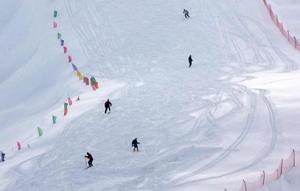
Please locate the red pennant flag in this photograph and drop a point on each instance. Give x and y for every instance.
(65, 49)
(65, 112)
(69, 59)
(86, 81)
(96, 85)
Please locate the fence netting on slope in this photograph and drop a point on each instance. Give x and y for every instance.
(266, 178)
(294, 159)
(286, 33)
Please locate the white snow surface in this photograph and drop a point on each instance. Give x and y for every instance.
(231, 115)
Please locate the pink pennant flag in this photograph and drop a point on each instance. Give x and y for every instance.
(65, 49)
(69, 101)
(54, 24)
(18, 145)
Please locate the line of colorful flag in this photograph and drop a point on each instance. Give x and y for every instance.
(86, 80)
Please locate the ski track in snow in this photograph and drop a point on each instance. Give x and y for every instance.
(250, 119)
(235, 144)
(141, 105)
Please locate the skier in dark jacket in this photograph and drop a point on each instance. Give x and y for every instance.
(186, 13)
(90, 157)
(135, 145)
(107, 105)
(2, 157)
(190, 61)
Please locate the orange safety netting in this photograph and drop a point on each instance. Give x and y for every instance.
(266, 178)
(291, 39)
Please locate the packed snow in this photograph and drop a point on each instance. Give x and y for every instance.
(231, 115)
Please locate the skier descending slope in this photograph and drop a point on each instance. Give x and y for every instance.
(190, 61)
(134, 144)
(186, 13)
(90, 157)
(107, 105)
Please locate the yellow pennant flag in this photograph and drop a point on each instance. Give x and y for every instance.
(79, 75)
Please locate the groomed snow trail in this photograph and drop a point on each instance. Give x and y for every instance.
(196, 125)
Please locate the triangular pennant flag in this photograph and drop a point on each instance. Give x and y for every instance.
(69, 101)
(74, 67)
(40, 131)
(96, 85)
(65, 105)
(65, 109)
(69, 59)
(54, 24)
(86, 81)
(93, 80)
(65, 112)
(54, 119)
(78, 73)
(55, 13)
(19, 147)
(80, 76)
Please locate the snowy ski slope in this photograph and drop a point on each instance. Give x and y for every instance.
(231, 115)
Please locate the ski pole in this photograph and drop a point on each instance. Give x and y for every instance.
(85, 162)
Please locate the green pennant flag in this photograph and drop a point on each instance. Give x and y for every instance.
(93, 80)
(40, 131)
(65, 105)
(55, 13)
(58, 36)
(54, 119)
